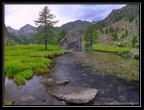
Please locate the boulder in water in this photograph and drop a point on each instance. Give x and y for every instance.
(63, 82)
(75, 95)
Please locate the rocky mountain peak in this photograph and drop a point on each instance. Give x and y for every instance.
(27, 27)
(10, 29)
(24, 32)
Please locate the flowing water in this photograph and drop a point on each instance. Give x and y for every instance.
(115, 77)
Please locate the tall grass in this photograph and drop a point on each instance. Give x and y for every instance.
(21, 62)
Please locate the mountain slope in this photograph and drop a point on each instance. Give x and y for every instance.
(78, 25)
(7, 39)
(24, 32)
(23, 35)
(27, 28)
(118, 18)
(121, 26)
(128, 12)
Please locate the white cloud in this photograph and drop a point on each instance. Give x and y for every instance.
(17, 15)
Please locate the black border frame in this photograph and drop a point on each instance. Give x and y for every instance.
(67, 4)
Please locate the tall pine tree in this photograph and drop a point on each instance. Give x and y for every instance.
(45, 24)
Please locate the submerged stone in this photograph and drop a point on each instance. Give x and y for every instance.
(63, 82)
(48, 81)
(75, 95)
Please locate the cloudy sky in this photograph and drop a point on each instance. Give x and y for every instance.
(18, 15)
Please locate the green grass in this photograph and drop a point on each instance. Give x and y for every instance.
(136, 56)
(27, 74)
(122, 51)
(7, 102)
(19, 79)
(108, 48)
(21, 62)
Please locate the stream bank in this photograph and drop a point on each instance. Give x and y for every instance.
(99, 70)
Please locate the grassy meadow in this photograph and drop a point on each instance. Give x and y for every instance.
(22, 62)
(115, 49)
(109, 48)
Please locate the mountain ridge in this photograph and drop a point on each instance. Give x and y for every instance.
(117, 14)
(128, 13)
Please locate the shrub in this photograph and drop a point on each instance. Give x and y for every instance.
(136, 56)
(111, 29)
(134, 41)
(106, 31)
(122, 44)
(115, 36)
(124, 53)
(126, 32)
(123, 36)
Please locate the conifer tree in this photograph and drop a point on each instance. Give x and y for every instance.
(45, 26)
(90, 37)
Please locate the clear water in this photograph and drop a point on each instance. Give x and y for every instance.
(98, 70)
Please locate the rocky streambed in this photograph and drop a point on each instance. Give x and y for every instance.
(81, 78)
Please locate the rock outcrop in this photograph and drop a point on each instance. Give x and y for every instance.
(75, 95)
(72, 41)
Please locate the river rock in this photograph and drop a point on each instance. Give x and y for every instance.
(75, 95)
(48, 81)
(63, 82)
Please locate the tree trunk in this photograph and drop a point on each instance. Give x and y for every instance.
(45, 44)
(45, 34)
(91, 41)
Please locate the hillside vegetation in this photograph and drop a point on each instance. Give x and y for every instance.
(120, 26)
(129, 12)
(7, 38)
(118, 32)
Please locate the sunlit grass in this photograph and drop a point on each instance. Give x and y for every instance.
(21, 62)
(27, 74)
(109, 48)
